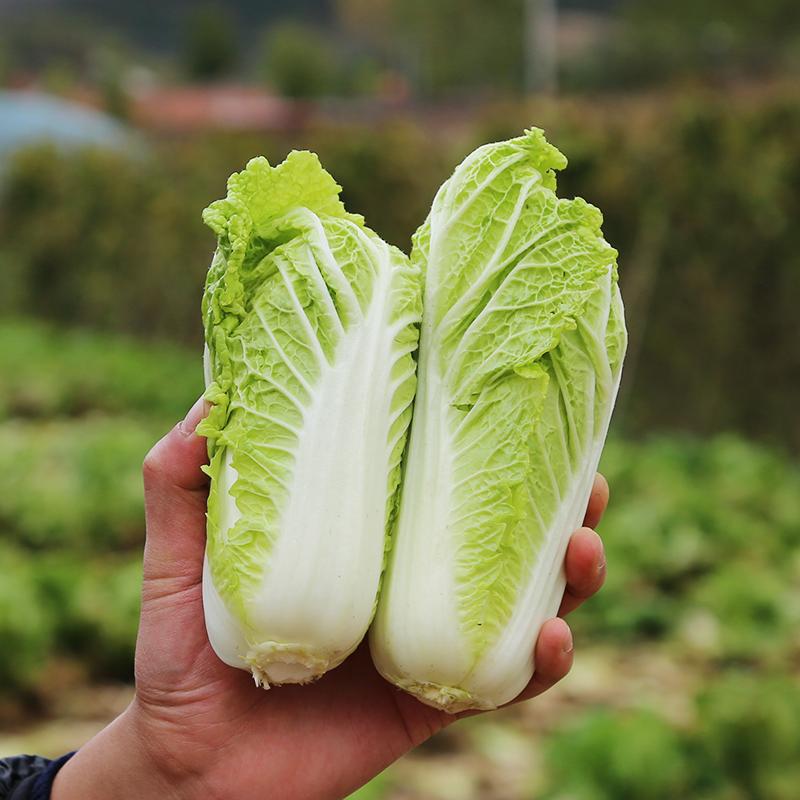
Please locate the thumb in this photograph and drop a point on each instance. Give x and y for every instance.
(172, 648)
(175, 495)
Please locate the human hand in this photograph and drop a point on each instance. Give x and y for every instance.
(198, 728)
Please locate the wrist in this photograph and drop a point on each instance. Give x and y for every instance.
(117, 764)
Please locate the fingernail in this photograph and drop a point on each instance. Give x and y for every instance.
(568, 644)
(196, 413)
(601, 567)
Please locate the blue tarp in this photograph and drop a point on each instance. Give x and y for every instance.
(28, 117)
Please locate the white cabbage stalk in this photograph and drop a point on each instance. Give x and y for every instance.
(520, 357)
(310, 321)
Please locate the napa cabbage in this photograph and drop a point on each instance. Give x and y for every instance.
(311, 322)
(520, 358)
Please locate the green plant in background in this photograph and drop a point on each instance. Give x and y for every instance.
(63, 607)
(25, 627)
(104, 616)
(71, 483)
(114, 231)
(51, 372)
(764, 603)
(93, 608)
(696, 500)
(743, 745)
(461, 46)
(210, 47)
(77, 414)
(299, 61)
(747, 741)
(630, 755)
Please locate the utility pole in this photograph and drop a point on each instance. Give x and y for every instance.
(541, 54)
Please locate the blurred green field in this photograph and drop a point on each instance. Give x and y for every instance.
(685, 682)
(77, 414)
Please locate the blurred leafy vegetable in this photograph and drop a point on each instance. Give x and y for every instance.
(49, 372)
(747, 742)
(73, 483)
(25, 626)
(629, 756)
(701, 535)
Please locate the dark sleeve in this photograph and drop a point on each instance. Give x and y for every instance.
(29, 777)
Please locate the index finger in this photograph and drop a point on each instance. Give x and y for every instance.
(598, 500)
